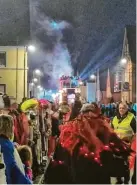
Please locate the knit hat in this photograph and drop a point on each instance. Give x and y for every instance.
(64, 108)
(87, 107)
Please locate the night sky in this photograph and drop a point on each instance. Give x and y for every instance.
(93, 39)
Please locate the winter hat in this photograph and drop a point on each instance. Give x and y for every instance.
(87, 107)
(64, 108)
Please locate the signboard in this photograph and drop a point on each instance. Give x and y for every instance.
(126, 86)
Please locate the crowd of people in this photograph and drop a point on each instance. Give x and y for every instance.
(84, 144)
(92, 145)
(24, 137)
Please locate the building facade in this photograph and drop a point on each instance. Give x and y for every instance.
(13, 71)
(125, 78)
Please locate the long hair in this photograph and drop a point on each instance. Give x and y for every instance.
(6, 126)
(75, 110)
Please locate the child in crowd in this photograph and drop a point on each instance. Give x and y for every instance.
(12, 161)
(26, 157)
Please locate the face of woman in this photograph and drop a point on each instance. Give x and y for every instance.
(122, 109)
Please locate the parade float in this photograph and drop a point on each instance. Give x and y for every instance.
(69, 89)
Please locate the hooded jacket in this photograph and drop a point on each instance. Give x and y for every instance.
(13, 173)
(2, 170)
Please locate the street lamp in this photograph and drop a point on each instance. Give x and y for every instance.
(35, 80)
(123, 61)
(92, 77)
(38, 86)
(41, 88)
(32, 84)
(37, 71)
(80, 83)
(31, 48)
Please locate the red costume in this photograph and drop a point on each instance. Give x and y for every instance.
(89, 152)
(24, 129)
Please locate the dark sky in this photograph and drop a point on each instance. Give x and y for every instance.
(14, 22)
(96, 37)
(96, 33)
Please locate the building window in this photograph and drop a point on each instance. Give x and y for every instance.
(2, 59)
(117, 82)
(120, 77)
(2, 88)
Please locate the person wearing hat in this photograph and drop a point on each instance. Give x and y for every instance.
(87, 107)
(85, 152)
(90, 109)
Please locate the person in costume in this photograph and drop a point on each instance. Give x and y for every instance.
(87, 150)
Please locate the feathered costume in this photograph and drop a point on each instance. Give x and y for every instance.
(88, 152)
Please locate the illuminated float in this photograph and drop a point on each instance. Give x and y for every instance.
(69, 90)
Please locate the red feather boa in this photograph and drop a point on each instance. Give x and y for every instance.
(86, 130)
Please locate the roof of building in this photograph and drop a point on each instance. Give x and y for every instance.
(110, 56)
(131, 36)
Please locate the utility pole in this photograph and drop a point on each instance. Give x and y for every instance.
(24, 72)
(17, 61)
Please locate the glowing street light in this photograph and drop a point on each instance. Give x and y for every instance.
(41, 88)
(80, 83)
(31, 48)
(35, 80)
(37, 71)
(38, 86)
(92, 77)
(123, 61)
(32, 84)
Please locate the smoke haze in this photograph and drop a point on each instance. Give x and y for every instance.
(53, 55)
